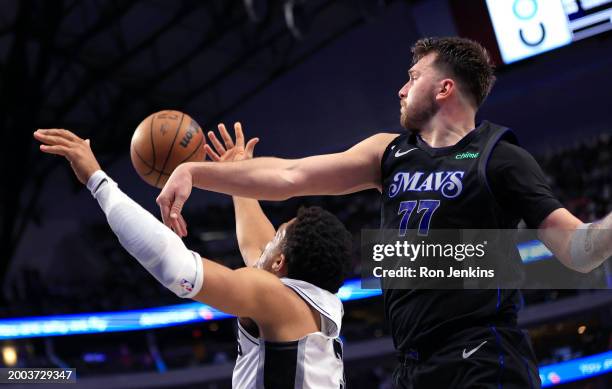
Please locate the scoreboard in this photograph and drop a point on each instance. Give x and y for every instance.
(520, 29)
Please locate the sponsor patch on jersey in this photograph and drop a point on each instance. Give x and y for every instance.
(467, 155)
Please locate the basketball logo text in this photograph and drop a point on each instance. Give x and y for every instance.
(193, 129)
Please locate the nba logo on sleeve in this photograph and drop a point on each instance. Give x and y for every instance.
(188, 286)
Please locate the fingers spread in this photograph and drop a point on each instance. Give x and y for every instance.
(250, 147)
(218, 146)
(227, 139)
(209, 151)
(239, 135)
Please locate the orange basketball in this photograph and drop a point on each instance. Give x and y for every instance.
(163, 141)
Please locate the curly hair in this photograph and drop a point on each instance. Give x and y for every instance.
(317, 248)
(465, 59)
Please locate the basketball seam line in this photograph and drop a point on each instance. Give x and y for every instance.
(144, 161)
(152, 145)
(171, 147)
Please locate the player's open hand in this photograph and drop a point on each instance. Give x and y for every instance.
(228, 150)
(76, 150)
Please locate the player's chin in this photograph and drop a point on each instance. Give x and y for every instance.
(404, 121)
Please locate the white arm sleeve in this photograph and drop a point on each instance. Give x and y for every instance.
(148, 240)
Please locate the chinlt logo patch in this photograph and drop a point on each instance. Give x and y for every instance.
(467, 155)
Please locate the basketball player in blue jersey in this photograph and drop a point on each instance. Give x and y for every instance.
(445, 338)
(290, 319)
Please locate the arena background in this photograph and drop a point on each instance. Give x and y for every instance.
(315, 85)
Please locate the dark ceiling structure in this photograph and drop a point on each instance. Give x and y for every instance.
(100, 66)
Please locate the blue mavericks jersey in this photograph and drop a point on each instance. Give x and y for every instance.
(427, 188)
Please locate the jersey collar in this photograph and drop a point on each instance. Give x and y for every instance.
(442, 151)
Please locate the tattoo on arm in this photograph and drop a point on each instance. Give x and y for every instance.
(588, 240)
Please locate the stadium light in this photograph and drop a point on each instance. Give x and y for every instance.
(9, 355)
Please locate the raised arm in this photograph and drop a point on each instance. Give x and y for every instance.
(519, 184)
(245, 292)
(355, 169)
(253, 229)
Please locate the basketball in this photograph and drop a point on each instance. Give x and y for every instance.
(163, 141)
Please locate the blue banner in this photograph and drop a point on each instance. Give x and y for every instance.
(576, 369)
(90, 323)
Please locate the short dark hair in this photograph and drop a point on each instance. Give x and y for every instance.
(317, 249)
(466, 59)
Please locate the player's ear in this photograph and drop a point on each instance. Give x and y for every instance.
(446, 88)
(280, 265)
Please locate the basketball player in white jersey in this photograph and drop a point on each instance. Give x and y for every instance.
(256, 237)
(290, 319)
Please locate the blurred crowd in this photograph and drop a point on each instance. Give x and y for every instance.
(580, 176)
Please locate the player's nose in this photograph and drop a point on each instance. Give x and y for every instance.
(403, 91)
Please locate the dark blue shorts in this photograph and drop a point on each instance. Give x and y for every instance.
(478, 357)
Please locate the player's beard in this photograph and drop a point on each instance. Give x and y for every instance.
(414, 116)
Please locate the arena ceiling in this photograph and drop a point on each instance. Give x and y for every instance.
(99, 66)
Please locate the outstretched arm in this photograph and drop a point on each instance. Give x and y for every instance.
(355, 169)
(520, 184)
(579, 246)
(253, 229)
(244, 292)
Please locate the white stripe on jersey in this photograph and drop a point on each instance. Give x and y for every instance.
(314, 361)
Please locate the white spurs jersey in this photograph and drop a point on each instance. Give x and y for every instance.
(314, 361)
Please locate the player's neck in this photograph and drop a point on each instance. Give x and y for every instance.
(445, 130)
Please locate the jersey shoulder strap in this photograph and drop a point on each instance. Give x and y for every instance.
(495, 134)
(246, 334)
(326, 303)
(390, 147)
